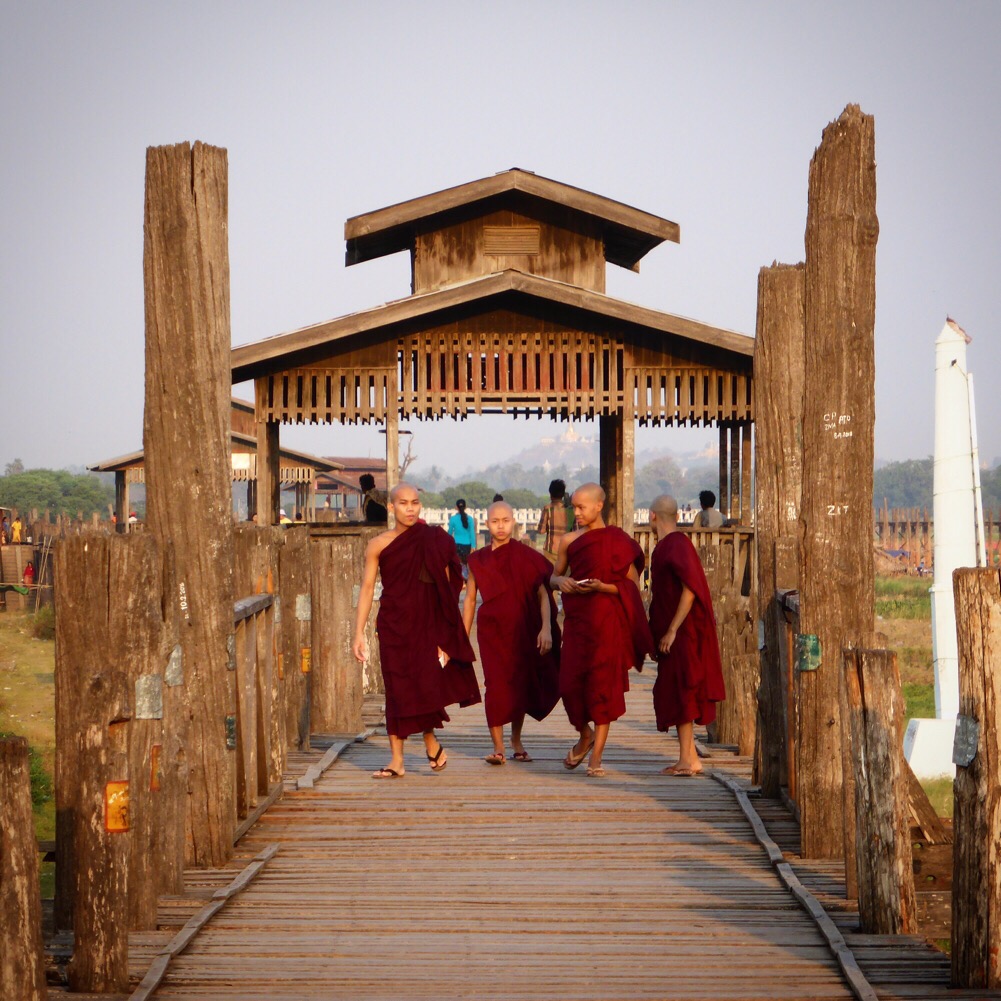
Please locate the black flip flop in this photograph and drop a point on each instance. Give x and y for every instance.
(435, 767)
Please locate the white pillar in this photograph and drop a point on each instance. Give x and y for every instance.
(955, 508)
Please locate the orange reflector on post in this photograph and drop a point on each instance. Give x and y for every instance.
(116, 807)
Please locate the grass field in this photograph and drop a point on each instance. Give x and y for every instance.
(27, 709)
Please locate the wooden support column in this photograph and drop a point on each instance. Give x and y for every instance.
(976, 873)
(121, 501)
(837, 587)
(22, 952)
(188, 465)
(616, 450)
(626, 474)
(745, 472)
(735, 514)
(294, 627)
(778, 397)
(723, 498)
(881, 855)
(269, 486)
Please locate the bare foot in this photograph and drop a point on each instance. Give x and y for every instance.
(389, 772)
(681, 768)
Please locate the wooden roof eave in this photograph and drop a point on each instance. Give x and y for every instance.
(278, 353)
(629, 233)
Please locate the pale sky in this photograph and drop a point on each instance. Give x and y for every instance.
(705, 113)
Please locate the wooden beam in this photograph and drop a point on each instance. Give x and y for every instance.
(188, 465)
(626, 473)
(976, 875)
(723, 500)
(269, 486)
(745, 472)
(881, 854)
(837, 585)
(609, 444)
(22, 951)
(778, 389)
(121, 502)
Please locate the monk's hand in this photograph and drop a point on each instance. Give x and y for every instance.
(667, 640)
(545, 640)
(359, 649)
(590, 586)
(568, 585)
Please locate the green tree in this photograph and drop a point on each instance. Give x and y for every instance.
(904, 484)
(14, 468)
(476, 493)
(55, 490)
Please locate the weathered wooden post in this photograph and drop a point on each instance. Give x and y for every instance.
(22, 967)
(778, 484)
(337, 687)
(882, 851)
(976, 873)
(186, 438)
(295, 643)
(837, 588)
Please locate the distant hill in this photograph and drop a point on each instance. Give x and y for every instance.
(573, 458)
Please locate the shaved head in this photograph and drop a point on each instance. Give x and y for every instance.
(396, 492)
(590, 491)
(497, 507)
(665, 506)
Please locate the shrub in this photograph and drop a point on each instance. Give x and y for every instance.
(43, 626)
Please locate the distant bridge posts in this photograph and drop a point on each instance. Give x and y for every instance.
(976, 880)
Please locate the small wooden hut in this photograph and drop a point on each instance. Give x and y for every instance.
(508, 314)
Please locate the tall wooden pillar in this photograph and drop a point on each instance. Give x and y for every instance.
(616, 462)
(121, 501)
(188, 464)
(778, 392)
(745, 472)
(269, 486)
(836, 559)
(392, 457)
(723, 495)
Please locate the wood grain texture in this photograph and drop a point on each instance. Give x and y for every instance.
(22, 967)
(186, 440)
(837, 589)
(778, 390)
(882, 855)
(976, 880)
(492, 870)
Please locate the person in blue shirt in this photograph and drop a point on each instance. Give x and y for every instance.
(462, 528)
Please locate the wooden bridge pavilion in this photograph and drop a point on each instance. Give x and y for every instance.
(508, 315)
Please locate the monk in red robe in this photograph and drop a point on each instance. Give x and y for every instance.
(427, 662)
(689, 670)
(605, 631)
(515, 629)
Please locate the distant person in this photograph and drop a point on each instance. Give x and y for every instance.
(5, 530)
(28, 577)
(557, 518)
(462, 528)
(689, 670)
(516, 631)
(497, 498)
(373, 501)
(283, 518)
(16, 530)
(708, 517)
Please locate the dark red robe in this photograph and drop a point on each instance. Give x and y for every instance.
(518, 679)
(689, 678)
(603, 634)
(418, 613)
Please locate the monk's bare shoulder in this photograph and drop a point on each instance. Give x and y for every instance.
(570, 537)
(376, 545)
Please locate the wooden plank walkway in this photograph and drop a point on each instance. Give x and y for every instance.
(521, 881)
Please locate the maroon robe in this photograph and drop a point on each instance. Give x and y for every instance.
(518, 678)
(603, 634)
(418, 613)
(689, 678)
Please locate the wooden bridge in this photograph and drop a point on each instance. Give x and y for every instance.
(523, 881)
